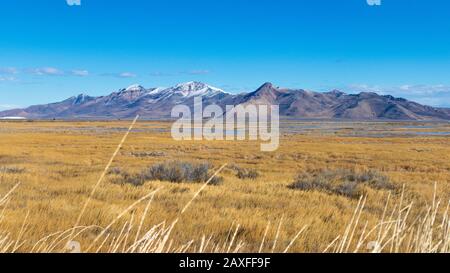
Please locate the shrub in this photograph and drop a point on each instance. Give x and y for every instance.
(133, 179)
(115, 171)
(306, 182)
(247, 174)
(349, 189)
(243, 173)
(148, 154)
(348, 183)
(199, 172)
(175, 172)
(11, 170)
(216, 181)
(378, 180)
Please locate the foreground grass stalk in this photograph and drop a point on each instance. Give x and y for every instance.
(120, 216)
(102, 176)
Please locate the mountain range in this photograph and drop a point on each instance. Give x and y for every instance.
(157, 103)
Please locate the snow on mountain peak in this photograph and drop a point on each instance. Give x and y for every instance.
(156, 90)
(184, 90)
(192, 89)
(135, 87)
(80, 99)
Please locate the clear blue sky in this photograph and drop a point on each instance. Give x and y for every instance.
(50, 50)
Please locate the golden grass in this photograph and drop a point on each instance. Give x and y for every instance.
(63, 160)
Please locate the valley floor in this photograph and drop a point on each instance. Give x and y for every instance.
(58, 163)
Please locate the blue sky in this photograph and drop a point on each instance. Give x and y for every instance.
(50, 51)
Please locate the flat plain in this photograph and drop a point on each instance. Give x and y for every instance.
(277, 201)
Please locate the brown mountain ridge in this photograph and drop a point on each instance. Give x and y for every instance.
(156, 103)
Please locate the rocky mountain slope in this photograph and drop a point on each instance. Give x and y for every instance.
(157, 103)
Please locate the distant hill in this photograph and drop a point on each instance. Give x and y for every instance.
(157, 103)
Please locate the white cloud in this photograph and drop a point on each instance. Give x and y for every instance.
(356, 88)
(49, 71)
(127, 75)
(8, 70)
(197, 72)
(120, 75)
(422, 89)
(161, 74)
(410, 89)
(80, 73)
(8, 106)
(73, 2)
(189, 72)
(7, 79)
(437, 95)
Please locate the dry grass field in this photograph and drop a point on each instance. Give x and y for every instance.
(305, 197)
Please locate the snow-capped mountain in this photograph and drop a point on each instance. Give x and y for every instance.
(128, 94)
(157, 103)
(192, 89)
(126, 102)
(135, 88)
(185, 90)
